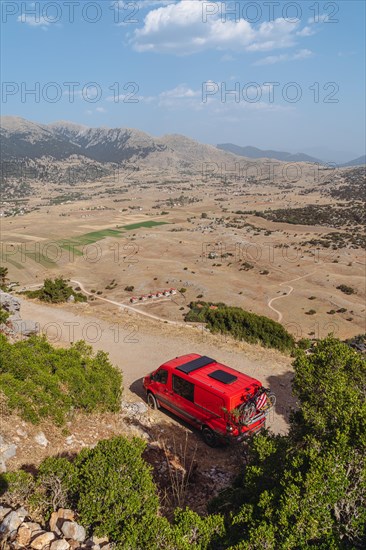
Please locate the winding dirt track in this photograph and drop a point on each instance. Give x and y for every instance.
(280, 315)
(129, 308)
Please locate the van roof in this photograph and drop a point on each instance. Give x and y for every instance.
(213, 374)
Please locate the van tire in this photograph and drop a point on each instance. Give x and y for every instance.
(209, 436)
(151, 401)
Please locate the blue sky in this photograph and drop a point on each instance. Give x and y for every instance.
(297, 69)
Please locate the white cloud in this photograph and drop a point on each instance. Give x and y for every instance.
(272, 59)
(181, 28)
(141, 4)
(100, 110)
(33, 20)
(323, 18)
(256, 98)
(306, 31)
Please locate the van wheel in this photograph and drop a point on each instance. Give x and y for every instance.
(209, 437)
(151, 401)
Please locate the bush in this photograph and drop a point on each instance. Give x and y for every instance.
(304, 343)
(346, 289)
(56, 486)
(40, 381)
(116, 493)
(4, 315)
(307, 489)
(55, 292)
(129, 288)
(16, 487)
(241, 324)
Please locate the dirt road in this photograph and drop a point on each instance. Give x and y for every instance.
(286, 295)
(138, 345)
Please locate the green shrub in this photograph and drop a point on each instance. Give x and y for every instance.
(16, 487)
(346, 289)
(193, 531)
(40, 381)
(3, 278)
(116, 493)
(129, 288)
(304, 343)
(56, 486)
(241, 324)
(4, 315)
(55, 292)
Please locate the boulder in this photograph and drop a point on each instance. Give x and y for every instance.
(10, 524)
(4, 511)
(42, 541)
(27, 532)
(60, 544)
(58, 518)
(9, 303)
(25, 327)
(7, 451)
(41, 439)
(136, 409)
(72, 530)
(95, 542)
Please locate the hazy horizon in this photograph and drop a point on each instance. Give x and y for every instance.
(217, 72)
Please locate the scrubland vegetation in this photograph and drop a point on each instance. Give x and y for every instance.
(42, 382)
(241, 325)
(303, 490)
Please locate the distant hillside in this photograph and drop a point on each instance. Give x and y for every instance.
(360, 161)
(255, 153)
(51, 151)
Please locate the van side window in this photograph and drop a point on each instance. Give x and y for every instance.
(161, 376)
(183, 387)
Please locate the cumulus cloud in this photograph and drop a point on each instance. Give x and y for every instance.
(181, 28)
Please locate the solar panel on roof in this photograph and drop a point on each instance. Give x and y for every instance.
(195, 364)
(222, 376)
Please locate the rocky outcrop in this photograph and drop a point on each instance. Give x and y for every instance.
(15, 325)
(18, 532)
(7, 451)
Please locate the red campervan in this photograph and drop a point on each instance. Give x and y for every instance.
(222, 402)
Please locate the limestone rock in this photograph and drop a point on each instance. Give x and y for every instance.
(4, 511)
(7, 451)
(9, 303)
(58, 518)
(42, 541)
(27, 532)
(10, 523)
(41, 439)
(25, 327)
(61, 544)
(72, 530)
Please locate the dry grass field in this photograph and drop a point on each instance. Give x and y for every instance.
(203, 237)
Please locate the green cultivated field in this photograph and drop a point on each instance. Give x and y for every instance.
(74, 244)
